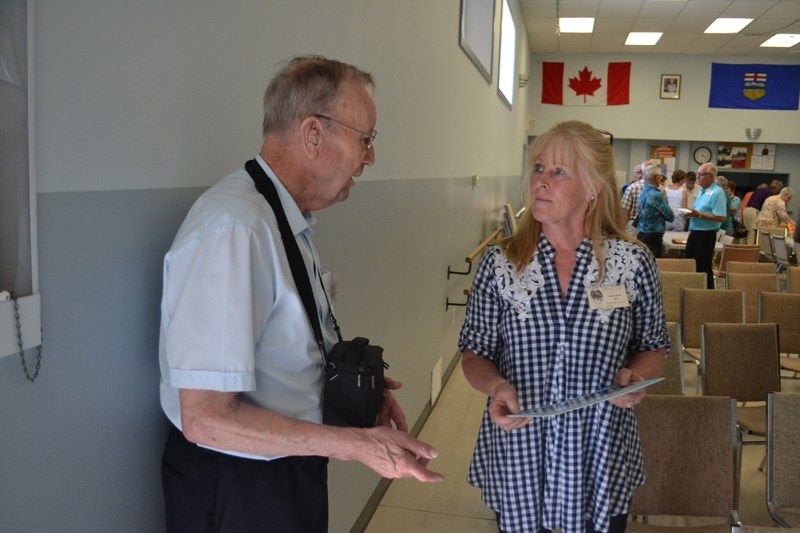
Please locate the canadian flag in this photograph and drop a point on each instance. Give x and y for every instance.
(586, 83)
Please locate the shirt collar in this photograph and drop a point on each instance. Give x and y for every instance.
(298, 221)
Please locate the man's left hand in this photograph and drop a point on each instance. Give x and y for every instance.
(390, 410)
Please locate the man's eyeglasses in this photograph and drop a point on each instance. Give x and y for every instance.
(367, 137)
(704, 174)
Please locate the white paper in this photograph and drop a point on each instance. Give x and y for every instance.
(586, 400)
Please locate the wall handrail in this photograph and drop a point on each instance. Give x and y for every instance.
(469, 259)
(475, 253)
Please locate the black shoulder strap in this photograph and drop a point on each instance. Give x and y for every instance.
(299, 272)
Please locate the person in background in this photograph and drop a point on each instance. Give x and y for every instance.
(568, 305)
(773, 211)
(727, 226)
(735, 208)
(676, 198)
(241, 371)
(630, 200)
(753, 207)
(704, 221)
(654, 211)
(690, 186)
(691, 190)
(796, 234)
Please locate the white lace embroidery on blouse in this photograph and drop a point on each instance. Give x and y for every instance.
(519, 288)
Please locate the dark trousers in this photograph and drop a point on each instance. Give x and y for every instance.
(617, 524)
(654, 241)
(206, 491)
(700, 247)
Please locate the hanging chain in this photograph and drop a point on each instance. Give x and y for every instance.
(22, 349)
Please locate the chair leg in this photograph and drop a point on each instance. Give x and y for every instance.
(763, 463)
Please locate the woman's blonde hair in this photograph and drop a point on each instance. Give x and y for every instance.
(590, 156)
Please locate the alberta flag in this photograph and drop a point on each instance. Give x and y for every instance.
(586, 83)
(754, 86)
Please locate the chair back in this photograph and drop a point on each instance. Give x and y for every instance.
(752, 285)
(793, 279)
(765, 241)
(698, 306)
(783, 455)
(782, 309)
(675, 264)
(750, 267)
(671, 285)
(689, 444)
(740, 360)
(747, 253)
(780, 250)
(673, 366)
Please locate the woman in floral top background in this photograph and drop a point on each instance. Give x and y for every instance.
(566, 306)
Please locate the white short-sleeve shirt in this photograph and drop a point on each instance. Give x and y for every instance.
(231, 317)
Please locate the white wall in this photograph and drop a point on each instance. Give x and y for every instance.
(168, 94)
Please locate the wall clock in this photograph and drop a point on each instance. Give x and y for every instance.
(702, 155)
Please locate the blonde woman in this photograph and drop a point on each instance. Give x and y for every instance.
(534, 335)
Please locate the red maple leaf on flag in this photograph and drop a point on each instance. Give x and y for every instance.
(585, 84)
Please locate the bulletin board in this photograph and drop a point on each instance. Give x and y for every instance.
(665, 155)
(746, 156)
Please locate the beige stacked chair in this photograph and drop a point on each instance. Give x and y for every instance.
(698, 306)
(793, 280)
(765, 242)
(783, 309)
(675, 264)
(742, 361)
(781, 251)
(783, 458)
(752, 285)
(750, 268)
(673, 366)
(671, 285)
(746, 253)
(690, 452)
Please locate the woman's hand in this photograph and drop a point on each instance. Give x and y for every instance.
(626, 376)
(505, 402)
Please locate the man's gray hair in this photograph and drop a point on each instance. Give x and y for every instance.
(304, 86)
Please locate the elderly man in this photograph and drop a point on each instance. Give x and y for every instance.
(241, 371)
(705, 219)
(773, 210)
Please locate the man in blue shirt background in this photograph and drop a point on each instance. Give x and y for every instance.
(704, 221)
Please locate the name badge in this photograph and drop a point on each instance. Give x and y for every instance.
(607, 297)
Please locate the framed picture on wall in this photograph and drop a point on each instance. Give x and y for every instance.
(476, 36)
(670, 86)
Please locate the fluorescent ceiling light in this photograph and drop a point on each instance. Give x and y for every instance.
(782, 40)
(576, 24)
(643, 38)
(723, 25)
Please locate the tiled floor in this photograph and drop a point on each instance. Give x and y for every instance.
(453, 506)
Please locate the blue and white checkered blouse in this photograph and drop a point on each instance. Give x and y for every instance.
(561, 471)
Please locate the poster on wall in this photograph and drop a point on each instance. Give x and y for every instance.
(733, 156)
(763, 157)
(665, 156)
